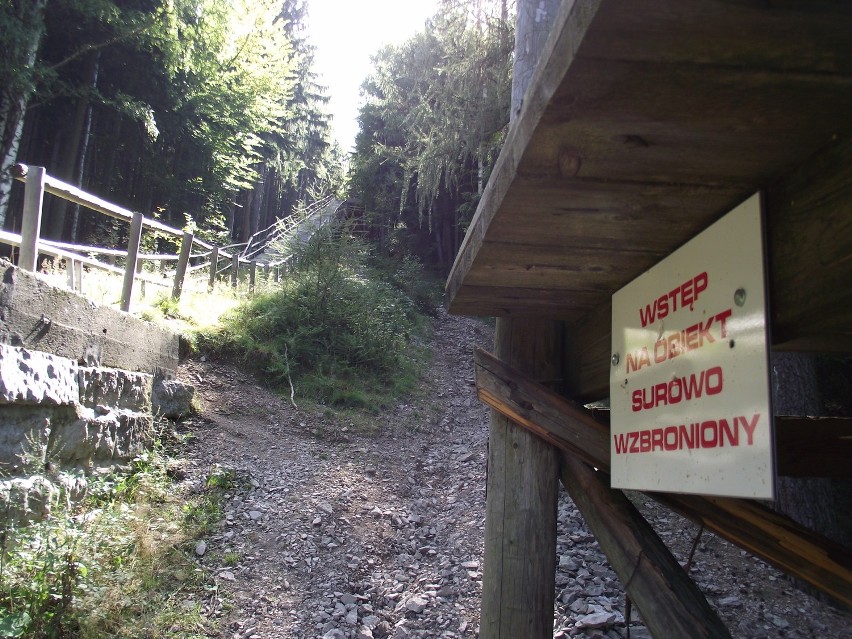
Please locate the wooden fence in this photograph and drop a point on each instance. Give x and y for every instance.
(37, 182)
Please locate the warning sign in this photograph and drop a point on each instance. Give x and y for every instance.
(689, 383)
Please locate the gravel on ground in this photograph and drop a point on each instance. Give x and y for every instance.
(335, 533)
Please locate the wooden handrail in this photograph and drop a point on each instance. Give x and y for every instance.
(31, 244)
(13, 239)
(71, 193)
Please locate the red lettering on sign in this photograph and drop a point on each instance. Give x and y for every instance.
(708, 433)
(707, 382)
(681, 296)
(691, 338)
(636, 361)
(749, 426)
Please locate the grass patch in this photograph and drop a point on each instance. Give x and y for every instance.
(342, 332)
(119, 565)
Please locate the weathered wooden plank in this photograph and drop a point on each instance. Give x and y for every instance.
(580, 213)
(809, 229)
(484, 300)
(520, 510)
(813, 447)
(765, 533)
(540, 410)
(559, 268)
(785, 36)
(669, 601)
(638, 122)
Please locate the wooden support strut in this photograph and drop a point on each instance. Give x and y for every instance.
(769, 535)
(671, 603)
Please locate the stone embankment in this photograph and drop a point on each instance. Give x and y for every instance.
(60, 423)
(69, 405)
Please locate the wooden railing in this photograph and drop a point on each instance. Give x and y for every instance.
(37, 182)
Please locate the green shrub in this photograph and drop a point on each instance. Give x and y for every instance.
(337, 329)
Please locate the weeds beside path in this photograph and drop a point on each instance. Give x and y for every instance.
(340, 534)
(388, 525)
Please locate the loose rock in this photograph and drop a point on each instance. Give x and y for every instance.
(343, 535)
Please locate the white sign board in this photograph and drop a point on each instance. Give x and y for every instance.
(689, 383)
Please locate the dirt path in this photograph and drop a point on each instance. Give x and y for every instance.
(340, 535)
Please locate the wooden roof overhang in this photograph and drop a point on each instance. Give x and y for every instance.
(645, 122)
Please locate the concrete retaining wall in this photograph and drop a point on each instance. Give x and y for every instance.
(36, 315)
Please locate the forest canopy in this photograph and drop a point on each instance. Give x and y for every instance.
(191, 109)
(435, 113)
(209, 113)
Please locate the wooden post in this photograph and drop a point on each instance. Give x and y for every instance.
(214, 264)
(133, 239)
(69, 268)
(31, 221)
(252, 276)
(277, 275)
(520, 509)
(769, 535)
(183, 261)
(78, 275)
(235, 270)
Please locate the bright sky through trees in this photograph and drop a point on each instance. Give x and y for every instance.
(346, 33)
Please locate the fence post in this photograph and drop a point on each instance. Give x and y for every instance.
(183, 261)
(132, 255)
(235, 269)
(69, 268)
(214, 264)
(78, 275)
(31, 221)
(277, 274)
(252, 273)
(141, 282)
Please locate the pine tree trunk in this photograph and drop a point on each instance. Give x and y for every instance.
(73, 155)
(14, 99)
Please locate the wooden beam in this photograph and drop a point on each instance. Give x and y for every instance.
(669, 601)
(520, 509)
(809, 235)
(773, 537)
(541, 410)
(813, 446)
(763, 532)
